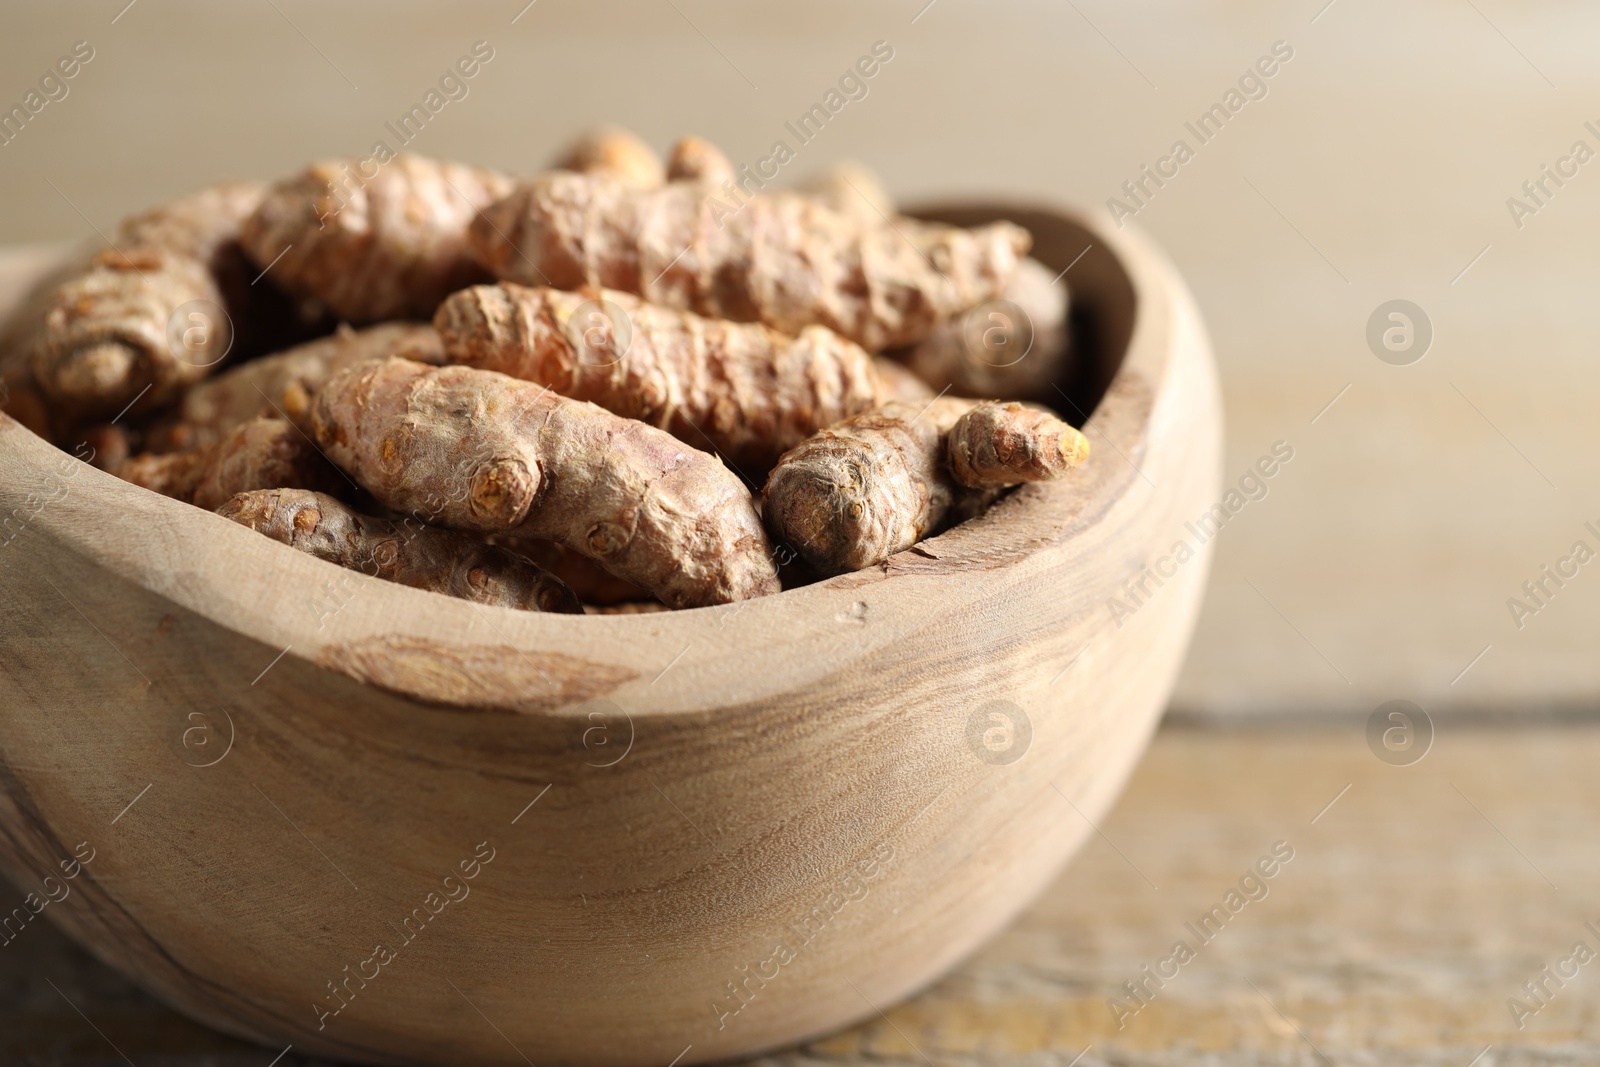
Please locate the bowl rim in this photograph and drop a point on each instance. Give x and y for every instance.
(234, 578)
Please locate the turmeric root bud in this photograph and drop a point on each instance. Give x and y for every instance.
(478, 450)
(999, 444)
(857, 493)
(697, 159)
(742, 389)
(406, 553)
(617, 152)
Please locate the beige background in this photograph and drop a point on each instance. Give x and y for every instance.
(1377, 167)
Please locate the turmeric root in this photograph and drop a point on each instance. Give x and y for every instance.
(282, 384)
(996, 445)
(407, 553)
(593, 583)
(258, 454)
(697, 159)
(105, 335)
(898, 382)
(779, 258)
(1019, 350)
(478, 450)
(873, 485)
(386, 246)
(617, 152)
(174, 474)
(742, 389)
(851, 189)
(263, 454)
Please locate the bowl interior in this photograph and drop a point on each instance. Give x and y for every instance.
(1103, 298)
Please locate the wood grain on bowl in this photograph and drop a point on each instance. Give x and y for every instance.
(393, 827)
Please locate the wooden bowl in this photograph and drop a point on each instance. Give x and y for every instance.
(309, 807)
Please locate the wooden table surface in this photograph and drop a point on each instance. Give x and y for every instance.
(1419, 899)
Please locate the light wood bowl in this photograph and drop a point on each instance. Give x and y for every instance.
(274, 762)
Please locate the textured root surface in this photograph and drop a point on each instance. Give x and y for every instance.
(999, 444)
(594, 585)
(388, 246)
(105, 336)
(857, 493)
(259, 454)
(97, 337)
(998, 350)
(899, 383)
(174, 474)
(781, 258)
(263, 454)
(407, 553)
(478, 450)
(282, 384)
(742, 389)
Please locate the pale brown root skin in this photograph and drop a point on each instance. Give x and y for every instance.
(478, 450)
(619, 153)
(259, 454)
(644, 607)
(999, 444)
(697, 159)
(373, 246)
(741, 389)
(594, 585)
(403, 552)
(264, 454)
(174, 474)
(780, 258)
(282, 384)
(856, 493)
(98, 338)
(109, 446)
(851, 189)
(981, 352)
(898, 381)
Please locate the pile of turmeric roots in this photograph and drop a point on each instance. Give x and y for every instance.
(618, 385)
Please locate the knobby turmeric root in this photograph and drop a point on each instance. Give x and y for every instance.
(174, 474)
(477, 450)
(1015, 347)
(741, 389)
(282, 384)
(617, 152)
(999, 444)
(407, 553)
(898, 382)
(873, 485)
(258, 454)
(104, 335)
(389, 245)
(779, 258)
(593, 583)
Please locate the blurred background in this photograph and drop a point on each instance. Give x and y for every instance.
(1378, 166)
